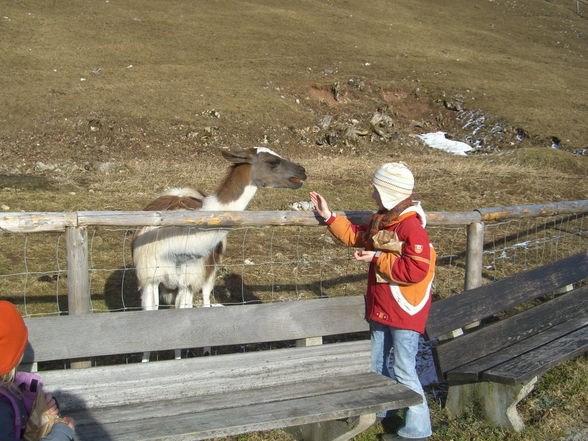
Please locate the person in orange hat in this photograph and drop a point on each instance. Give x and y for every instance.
(17, 397)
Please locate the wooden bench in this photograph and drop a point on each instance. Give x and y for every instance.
(323, 391)
(497, 363)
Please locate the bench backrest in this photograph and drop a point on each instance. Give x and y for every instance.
(478, 303)
(83, 336)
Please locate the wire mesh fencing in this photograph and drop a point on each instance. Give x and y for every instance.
(266, 264)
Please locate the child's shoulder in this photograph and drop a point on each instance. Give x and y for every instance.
(411, 219)
(9, 409)
(410, 225)
(6, 399)
(7, 396)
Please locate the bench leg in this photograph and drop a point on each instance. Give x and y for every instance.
(498, 401)
(337, 430)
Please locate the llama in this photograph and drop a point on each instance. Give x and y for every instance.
(174, 263)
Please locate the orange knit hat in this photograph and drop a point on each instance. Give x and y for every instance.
(13, 337)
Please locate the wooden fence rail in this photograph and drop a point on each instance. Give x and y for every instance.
(37, 222)
(75, 227)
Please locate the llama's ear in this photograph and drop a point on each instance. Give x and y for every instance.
(238, 155)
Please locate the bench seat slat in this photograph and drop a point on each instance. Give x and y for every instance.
(503, 333)
(540, 360)
(502, 295)
(234, 419)
(473, 371)
(144, 382)
(244, 397)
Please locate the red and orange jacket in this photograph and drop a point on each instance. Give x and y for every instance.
(399, 286)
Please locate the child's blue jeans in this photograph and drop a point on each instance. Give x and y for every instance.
(394, 355)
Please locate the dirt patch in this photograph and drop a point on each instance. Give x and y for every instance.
(325, 95)
(408, 106)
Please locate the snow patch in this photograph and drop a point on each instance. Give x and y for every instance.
(437, 140)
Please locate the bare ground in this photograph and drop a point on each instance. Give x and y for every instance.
(113, 80)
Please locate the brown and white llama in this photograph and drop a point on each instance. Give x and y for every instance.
(174, 263)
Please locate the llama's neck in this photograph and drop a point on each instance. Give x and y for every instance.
(235, 193)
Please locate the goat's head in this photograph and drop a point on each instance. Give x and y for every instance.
(268, 169)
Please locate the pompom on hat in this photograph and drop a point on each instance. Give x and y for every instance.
(394, 182)
(13, 337)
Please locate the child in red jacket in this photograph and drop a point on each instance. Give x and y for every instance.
(401, 270)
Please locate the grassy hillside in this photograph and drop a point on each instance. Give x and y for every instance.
(104, 104)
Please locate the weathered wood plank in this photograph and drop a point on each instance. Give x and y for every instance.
(474, 255)
(255, 417)
(540, 360)
(78, 278)
(47, 221)
(521, 211)
(198, 218)
(130, 332)
(146, 382)
(244, 218)
(473, 371)
(36, 222)
(503, 333)
(236, 398)
(78, 283)
(475, 304)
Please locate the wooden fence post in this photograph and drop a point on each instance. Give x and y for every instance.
(474, 259)
(473, 268)
(475, 255)
(78, 279)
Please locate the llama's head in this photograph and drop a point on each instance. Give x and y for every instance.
(268, 169)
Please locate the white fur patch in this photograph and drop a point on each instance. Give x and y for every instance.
(212, 203)
(266, 150)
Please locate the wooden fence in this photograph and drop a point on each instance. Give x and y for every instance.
(75, 226)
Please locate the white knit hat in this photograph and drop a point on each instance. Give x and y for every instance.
(394, 182)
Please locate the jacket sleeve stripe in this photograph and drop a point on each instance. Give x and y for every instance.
(418, 258)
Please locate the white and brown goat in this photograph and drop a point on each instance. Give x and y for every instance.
(174, 263)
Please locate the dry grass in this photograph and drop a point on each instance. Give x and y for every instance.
(297, 263)
(293, 263)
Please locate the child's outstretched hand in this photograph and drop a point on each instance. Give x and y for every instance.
(320, 204)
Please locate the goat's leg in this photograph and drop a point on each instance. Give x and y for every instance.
(184, 299)
(149, 302)
(207, 288)
(150, 297)
(206, 291)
